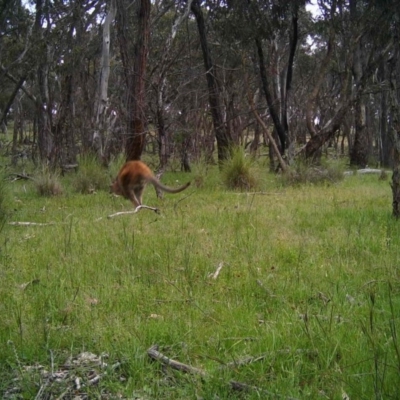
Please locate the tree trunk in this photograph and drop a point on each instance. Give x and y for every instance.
(43, 106)
(224, 141)
(137, 126)
(101, 127)
(270, 99)
(384, 137)
(359, 151)
(394, 68)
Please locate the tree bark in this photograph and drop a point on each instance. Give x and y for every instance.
(270, 100)
(394, 93)
(43, 106)
(100, 124)
(359, 152)
(137, 126)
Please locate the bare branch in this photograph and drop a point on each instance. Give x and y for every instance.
(138, 208)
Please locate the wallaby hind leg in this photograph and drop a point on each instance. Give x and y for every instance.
(138, 194)
(133, 198)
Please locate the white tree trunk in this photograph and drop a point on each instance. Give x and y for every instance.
(101, 123)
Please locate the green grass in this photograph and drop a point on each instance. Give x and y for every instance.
(310, 280)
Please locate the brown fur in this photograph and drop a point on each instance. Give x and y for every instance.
(132, 179)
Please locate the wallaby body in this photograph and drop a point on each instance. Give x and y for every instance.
(132, 179)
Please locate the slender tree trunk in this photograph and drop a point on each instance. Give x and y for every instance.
(224, 141)
(101, 127)
(359, 151)
(394, 73)
(43, 105)
(270, 98)
(384, 137)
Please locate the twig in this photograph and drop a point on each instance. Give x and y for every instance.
(22, 176)
(138, 208)
(181, 199)
(16, 223)
(39, 393)
(218, 270)
(156, 355)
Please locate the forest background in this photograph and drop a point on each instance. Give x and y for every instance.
(180, 78)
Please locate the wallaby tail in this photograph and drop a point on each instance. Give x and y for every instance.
(167, 189)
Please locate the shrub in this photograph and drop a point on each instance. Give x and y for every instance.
(236, 171)
(302, 173)
(91, 176)
(47, 183)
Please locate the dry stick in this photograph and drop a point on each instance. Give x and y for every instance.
(30, 223)
(183, 198)
(22, 176)
(156, 210)
(218, 270)
(157, 355)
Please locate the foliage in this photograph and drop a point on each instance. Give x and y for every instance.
(90, 176)
(48, 183)
(305, 173)
(237, 171)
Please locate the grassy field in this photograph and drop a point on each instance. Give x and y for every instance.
(305, 303)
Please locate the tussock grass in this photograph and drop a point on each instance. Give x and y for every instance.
(237, 171)
(90, 176)
(48, 183)
(310, 280)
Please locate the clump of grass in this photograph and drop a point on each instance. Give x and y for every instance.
(3, 198)
(236, 171)
(91, 176)
(203, 176)
(302, 173)
(48, 184)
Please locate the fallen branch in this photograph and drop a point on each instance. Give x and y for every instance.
(158, 356)
(239, 386)
(17, 223)
(21, 176)
(138, 208)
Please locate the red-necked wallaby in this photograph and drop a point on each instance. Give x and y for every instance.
(132, 179)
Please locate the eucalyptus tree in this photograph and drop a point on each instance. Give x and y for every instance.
(63, 34)
(223, 138)
(133, 22)
(370, 24)
(354, 51)
(394, 106)
(104, 120)
(169, 18)
(15, 60)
